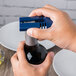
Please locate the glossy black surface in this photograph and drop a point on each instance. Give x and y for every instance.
(35, 54)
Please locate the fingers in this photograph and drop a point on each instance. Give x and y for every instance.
(14, 60)
(40, 34)
(21, 53)
(48, 61)
(50, 7)
(43, 11)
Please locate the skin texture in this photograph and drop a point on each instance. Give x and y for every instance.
(62, 33)
(22, 68)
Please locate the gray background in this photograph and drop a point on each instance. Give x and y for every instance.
(11, 10)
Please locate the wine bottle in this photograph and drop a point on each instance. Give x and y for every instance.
(35, 52)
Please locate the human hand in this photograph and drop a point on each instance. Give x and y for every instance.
(62, 32)
(22, 68)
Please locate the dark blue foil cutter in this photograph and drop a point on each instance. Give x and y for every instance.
(34, 22)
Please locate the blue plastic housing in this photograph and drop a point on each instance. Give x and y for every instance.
(34, 22)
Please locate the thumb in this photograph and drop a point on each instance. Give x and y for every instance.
(48, 61)
(41, 34)
(21, 53)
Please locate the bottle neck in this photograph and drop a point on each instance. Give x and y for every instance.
(30, 41)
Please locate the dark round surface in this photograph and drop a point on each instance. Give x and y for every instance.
(35, 54)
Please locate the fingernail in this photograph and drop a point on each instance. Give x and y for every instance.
(29, 32)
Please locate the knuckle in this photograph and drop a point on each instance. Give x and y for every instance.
(59, 14)
(46, 5)
(43, 8)
(19, 50)
(65, 13)
(21, 45)
(37, 9)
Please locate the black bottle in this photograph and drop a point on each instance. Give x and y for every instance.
(35, 53)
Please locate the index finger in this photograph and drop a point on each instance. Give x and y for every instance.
(43, 11)
(14, 60)
(21, 53)
(50, 6)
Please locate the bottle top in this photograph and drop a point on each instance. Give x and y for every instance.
(30, 41)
